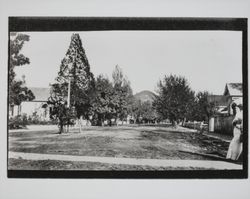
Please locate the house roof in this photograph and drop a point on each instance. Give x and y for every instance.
(233, 89)
(41, 94)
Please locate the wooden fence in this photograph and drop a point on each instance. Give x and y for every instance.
(223, 124)
(196, 125)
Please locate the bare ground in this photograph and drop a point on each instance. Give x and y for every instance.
(17, 164)
(125, 142)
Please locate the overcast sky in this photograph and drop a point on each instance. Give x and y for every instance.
(208, 59)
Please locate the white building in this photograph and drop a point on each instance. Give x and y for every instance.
(37, 107)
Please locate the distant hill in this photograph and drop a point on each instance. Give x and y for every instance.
(145, 96)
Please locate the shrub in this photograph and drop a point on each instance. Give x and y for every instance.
(35, 119)
(18, 122)
(21, 121)
(38, 121)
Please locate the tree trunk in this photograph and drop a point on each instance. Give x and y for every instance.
(174, 123)
(183, 122)
(68, 127)
(60, 126)
(18, 110)
(88, 123)
(12, 110)
(80, 124)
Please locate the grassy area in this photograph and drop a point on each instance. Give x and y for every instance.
(132, 142)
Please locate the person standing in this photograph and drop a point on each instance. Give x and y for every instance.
(235, 147)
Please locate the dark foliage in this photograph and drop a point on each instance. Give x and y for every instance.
(18, 92)
(74, 73)
(175, 99)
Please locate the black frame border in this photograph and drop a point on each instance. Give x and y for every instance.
(45, 24)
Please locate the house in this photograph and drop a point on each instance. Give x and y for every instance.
(233, 91)
(223, 116)
(37, 107)
(220, 102)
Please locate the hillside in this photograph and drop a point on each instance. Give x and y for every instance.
(145, 96)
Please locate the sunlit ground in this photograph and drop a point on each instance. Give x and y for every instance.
(126, 142)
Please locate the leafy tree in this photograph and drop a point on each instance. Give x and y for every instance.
(18, 92)
(175, 99)
(202, 108)
(60, 112)
(200, 112)
(123, 94)
(75, 71)
(103, 106)
(149, 114)
(143, 111)
(112, 100)
(16, 58)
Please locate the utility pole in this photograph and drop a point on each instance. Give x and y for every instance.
(69, 87)
(68, 100)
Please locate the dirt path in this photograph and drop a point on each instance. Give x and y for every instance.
(220, 165)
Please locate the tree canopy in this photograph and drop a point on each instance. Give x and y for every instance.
(123, 94)
(103, 107)
(18, 92)
(175, 98)
(75, 69)
(113, 100)
(143, 111)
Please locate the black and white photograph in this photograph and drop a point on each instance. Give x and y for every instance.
(133, 99)
(118, 98)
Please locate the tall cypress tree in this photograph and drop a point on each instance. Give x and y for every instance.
(75, 69)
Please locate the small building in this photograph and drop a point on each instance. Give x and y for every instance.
(37, 107)
(220, 102)
(221, 122)
(233, 91)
